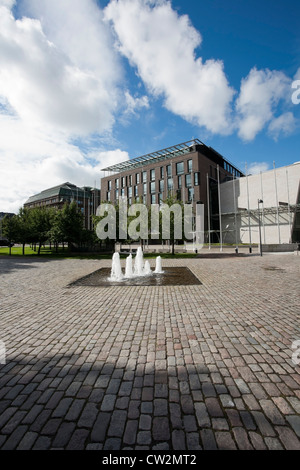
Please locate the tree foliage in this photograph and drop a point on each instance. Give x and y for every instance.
(41, 224)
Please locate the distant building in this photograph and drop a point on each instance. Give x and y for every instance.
(86, 198)
(190, 171)
(266, 205)
(237, 208)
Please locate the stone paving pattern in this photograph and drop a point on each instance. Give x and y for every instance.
(161, 368)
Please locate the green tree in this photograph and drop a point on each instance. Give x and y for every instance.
(169, 215)
(70, 224)
(24, 227)
(40, 225)
(10, 229)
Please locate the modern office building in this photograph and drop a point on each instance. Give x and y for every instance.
(86, 198)
(190, 171)
(262, 208)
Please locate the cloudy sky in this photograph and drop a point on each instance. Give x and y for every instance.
(88, 83)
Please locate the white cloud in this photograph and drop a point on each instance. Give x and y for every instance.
(57, 87)
(134, 104)
(257, 167)
(37, 160)
(7, 3)
(46, 85)
(161, 45)
(283, 125)
(259, 96)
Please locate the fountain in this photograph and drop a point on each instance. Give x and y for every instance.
(138, 273)
(116, 270)
(158, 268)
(138, 269)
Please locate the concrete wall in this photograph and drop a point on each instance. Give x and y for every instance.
(280, 185)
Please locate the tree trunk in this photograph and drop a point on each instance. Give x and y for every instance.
(23, 249)
(39, 250)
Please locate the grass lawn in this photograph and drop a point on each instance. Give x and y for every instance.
(47, 252)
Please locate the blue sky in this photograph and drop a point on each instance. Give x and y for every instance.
(84, 84)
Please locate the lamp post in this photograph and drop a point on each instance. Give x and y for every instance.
(259, 201)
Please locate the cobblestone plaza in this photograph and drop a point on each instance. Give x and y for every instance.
(208, 366)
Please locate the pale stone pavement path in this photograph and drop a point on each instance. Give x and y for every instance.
(162, 368)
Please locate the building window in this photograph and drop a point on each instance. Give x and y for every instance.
(144, 176)
(108, 196)
(170, 184)
(160, 198)
(179, 182)
(123, 182)
(130, 180)
(179, 168)
(152, 187)
(109, 185)
(117, 194)
(117, 183)
(153, 199)
(130, 191)
(152, 175)
(188, 181)
(162, 172)
(190, 194)
(145, 188)
(144, 200)
(196, 178)
(161, 186)
(136, 191)
(122, 192)
(169, 170)
(178, 194)
(137, 178)
(190, 166)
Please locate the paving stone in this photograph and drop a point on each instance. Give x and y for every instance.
(63, 435)
(27, 441)
(88, 415)
(208, 439)
(161, 429)
(213, 407)
(272, 412)
(241, 438)
(100, 427)
(294, 421)
(288, 438)
(130, 432)
(178, 440)
(219, 384)
(202, 415)
(78, 440)
(13, 440)
(117, 424)
(264, 426)
(273, 444)
(224, 441)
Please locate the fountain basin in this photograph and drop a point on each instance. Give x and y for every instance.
(171, 276)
